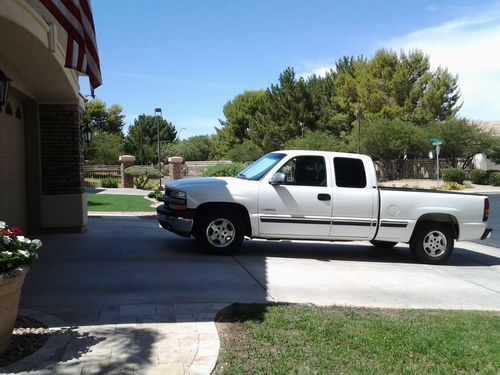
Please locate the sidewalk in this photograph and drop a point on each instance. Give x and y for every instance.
(127, 339)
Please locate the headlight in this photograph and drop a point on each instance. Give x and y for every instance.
(177, 194)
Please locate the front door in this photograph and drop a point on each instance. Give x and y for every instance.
(301, 207)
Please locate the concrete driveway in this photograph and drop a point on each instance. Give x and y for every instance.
(129, 260)
(127, 297)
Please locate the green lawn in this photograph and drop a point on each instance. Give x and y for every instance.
(117, 203)
(281, 339)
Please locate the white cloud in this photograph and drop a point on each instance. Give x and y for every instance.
(470, 48)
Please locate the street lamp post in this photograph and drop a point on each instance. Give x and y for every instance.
(158, 115)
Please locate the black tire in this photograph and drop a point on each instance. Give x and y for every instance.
(386, 245)
(432, 243)
(219, 232)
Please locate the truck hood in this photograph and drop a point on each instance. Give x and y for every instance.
(189, 184)
(217, 189)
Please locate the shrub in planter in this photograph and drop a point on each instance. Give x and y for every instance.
(495, 179)
(479, 177)
(158, 195)
(142, 175)
(16, 254)
(454, 175)
(110, 183)
(223, 170)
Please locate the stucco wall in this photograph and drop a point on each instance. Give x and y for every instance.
(13, 165)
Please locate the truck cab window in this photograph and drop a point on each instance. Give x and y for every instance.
(349, 172)
(305, 171)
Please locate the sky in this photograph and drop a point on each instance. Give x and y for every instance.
(190, 57)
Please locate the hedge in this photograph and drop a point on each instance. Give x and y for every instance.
(454, 175)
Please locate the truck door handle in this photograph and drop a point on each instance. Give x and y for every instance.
(324, 197)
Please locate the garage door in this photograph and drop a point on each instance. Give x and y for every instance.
(12, 164)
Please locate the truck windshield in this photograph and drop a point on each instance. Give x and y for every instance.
(259, 168)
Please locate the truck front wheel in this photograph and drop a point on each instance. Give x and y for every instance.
(432, 243)
(219, 232)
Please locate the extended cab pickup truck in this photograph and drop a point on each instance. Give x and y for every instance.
(320, 196)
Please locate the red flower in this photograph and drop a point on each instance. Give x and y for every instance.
(15, 231)
(5, 232)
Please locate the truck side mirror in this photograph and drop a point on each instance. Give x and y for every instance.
(278, 179)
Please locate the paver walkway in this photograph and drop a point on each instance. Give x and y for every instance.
(127, 339)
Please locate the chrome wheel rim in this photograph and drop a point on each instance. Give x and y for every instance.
(435, 243)
(220, 232)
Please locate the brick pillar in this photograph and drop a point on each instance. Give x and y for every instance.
(127, 161)
(63, 204)
(175, 167)
(61, 151)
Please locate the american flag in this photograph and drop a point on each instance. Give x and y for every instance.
(75, 16)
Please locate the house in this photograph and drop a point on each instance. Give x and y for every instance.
(41, 156)
(480, 160)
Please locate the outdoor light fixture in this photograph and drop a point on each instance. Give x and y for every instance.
(86, 133)
(4, 88)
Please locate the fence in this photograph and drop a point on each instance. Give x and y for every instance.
(91, 173)
(412, 168)
(197, 168)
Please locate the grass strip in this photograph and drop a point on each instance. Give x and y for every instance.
(118, 203)
(302, 339)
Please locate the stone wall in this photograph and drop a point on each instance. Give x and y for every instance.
(61, 151)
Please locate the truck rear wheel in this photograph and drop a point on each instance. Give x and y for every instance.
(432, 243)
(219, 232)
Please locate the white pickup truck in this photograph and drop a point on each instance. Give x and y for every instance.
(315, 195)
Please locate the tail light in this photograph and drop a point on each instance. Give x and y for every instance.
(486, 212)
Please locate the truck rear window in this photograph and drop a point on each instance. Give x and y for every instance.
(349, 173)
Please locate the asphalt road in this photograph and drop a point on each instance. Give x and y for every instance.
(128, 260)
(493, 222)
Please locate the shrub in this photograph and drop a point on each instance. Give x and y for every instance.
(454, 175)
(478, 176)
(158, 195)
(142, 175)
(451, 186)
(495, 179)
(152, 186)
(223, 170)
(110, 182)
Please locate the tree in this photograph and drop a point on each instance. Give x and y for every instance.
(390, 142)
(246, 151)
(193, 148)
(393, 86)
(462, 140)
(287, 111)
(316, 141)
(105, 148)
(101, 119)
(239, 114)
(142, 137)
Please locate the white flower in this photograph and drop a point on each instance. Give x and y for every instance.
(24, 253)
(2, 224)
(21, 238)
(9, 253)
(6, 240)
(37, 243)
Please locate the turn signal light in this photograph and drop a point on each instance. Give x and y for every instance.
(178, 207)
(486, 212)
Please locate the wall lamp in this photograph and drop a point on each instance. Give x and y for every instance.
(86, 133)
(4, 88)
